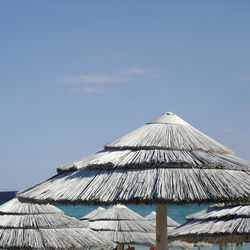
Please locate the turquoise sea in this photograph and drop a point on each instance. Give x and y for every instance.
(177, 213)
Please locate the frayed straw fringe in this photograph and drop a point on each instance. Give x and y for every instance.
(156, 158)
(54, 230)
(39, 221)
(174, 186)
(138, 238)
(214, 239)
(215, 212)
(213, 225)
(70, 238)
(15, 207)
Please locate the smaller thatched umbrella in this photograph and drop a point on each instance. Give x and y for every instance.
(123, 226)
(93, 214)
(33, 226)
(203, 244)
(170, 222)
(218, 224)
(177, 244)
(180, 244)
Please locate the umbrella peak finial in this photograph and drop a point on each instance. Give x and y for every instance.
(168, 113)
(169, 117)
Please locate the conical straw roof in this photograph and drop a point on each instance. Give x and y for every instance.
(123, 226)
(16, 207)
(92, 214)
(168, 132)
(170, 222)
(216, 224)
(164, 161)
(34, 226)
(180, 244)
(219, 211)
(203, 244)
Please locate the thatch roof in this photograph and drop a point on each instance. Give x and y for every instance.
(15, 207)
(93, 213)
(164, 161)
(123, 226)
(34, 227)
(170, 222)
(180, 244)
(219, 211)
(216, 225)
(203, 244)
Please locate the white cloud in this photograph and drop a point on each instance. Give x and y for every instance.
(138, 71)
(96, 79)
(96, 83)
(87, 90)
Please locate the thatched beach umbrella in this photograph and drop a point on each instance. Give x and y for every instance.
(219, 224)
(123, 226)
(170, 222)
(180, 244)
(203, 244)
(93, 214)
(33, 226)
(164, 161)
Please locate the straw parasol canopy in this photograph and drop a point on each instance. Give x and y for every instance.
(123, 226)
(180, 244)
(170, 222)
(217, 224)
(33, 226)
(203, 244)
(93, 214)
(163, 161)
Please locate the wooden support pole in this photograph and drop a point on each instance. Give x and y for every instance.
(220, 246)
(119, 246)
(161, 227)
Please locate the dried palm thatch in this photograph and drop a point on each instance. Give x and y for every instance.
(93, 213)
(216, 225)
(203, 244)
(15, 207)
(44, 226)
(180, 244)
(220, 211)
(123, 226)
(166, 160)
(170, 222)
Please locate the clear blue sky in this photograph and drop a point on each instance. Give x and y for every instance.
(75, 75)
